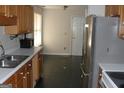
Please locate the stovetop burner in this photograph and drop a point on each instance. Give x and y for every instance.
(117, 78)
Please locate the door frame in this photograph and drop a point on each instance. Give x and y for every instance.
(71, 33)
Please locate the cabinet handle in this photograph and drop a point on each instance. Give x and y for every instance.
(21, 73)
(81, 76)
(24, 77)
(29, 65)
(6, 15)
(100, 75)
(28, 73)
(11, 16)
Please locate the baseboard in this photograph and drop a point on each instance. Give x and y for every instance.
(57, 54)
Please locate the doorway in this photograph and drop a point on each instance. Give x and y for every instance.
(77, 35)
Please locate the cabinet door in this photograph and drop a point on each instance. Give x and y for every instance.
(24, 19)
(112, 10)
(36, 74)
(21, 79)
(11, 81)
(12, 10)
(2, 9)
(107, 10)
(29, 75)
(20, 83)
(8, 10)
(31, 20)
(121, 28)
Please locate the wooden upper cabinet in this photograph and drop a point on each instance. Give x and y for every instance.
(24, 21)
(112, 10)
(121, 26)
(8, 15)
(30, 22)
(8, 10)
(2, 10)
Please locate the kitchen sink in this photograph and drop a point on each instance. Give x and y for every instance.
(117, 78)
(11, 61)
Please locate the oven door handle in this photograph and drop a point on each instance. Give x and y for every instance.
(85, 74)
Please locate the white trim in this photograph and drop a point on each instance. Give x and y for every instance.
(57, 53)
(71, 43)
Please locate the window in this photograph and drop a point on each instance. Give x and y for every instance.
(37, 29)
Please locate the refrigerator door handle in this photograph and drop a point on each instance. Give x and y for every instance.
(85, 74)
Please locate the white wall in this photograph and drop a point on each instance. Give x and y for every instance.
(8, 44)
(98, 10)
(57, 29)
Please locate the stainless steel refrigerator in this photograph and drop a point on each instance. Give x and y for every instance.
(101, 44)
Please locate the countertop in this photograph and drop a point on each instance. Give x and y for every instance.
(113, 68)
(5, 73)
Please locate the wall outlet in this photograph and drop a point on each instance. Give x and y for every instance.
(107, 50)
(64, 48)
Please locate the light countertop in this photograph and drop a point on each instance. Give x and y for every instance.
(5, 73)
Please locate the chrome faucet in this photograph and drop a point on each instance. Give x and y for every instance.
(3, 50)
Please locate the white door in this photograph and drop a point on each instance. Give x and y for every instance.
(77, 35)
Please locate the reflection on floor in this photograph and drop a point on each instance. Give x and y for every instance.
(60, 72)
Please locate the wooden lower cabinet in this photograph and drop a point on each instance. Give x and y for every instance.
(24, 22)
(22, 78)
(11, 81)
(20, 83)
(36, 75)
(27, 75)
(37, 62)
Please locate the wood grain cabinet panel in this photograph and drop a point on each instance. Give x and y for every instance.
(27, 75)
(24, 20)
(117, 11)
(112, 10)
(37, 62)
(8, 15)
(11, 81)
(8, 10)
(22, 78)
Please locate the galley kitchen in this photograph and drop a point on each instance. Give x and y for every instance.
(61, 46)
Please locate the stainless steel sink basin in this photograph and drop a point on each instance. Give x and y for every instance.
(11, 61)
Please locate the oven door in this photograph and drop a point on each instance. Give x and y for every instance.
(101, 83)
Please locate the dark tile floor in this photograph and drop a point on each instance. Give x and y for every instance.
(60, 72)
